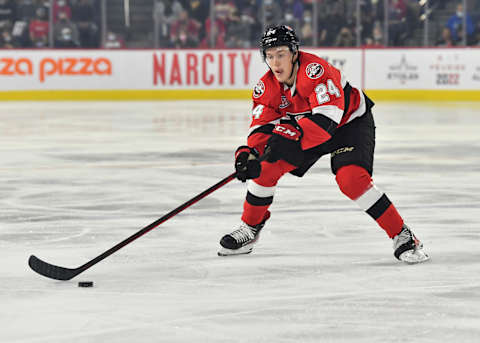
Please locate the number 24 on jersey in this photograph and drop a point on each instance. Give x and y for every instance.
(323, 91)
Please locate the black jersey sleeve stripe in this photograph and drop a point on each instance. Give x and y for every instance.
(347, 90)
(268, 128)
(324, 122)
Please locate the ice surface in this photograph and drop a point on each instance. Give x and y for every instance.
(77, 178)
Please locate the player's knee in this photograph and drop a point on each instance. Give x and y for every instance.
(353, 181)
(272, 172)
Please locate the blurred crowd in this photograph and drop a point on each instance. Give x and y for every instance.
(26, 24)
(238, 23)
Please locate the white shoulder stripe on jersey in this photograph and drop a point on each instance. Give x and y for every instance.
(343, 81)
(369, 198)
(329, 111)
(260, 191)
(362, 107)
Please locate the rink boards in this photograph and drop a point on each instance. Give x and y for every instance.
(386, 74)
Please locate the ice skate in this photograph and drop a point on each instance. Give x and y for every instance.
(242, 240)
(407, 248)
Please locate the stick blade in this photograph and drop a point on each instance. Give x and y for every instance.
(51, 271)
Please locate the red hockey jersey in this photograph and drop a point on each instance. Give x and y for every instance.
(320, 101)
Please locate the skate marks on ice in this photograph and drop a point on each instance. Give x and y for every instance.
(76, 181)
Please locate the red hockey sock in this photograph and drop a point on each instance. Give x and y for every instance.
(253, 215)
(356, 183)
(261, 190)
(390, 221)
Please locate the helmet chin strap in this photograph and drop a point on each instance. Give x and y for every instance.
(293, 64)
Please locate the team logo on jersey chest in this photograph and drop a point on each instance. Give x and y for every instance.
(314, 70)
(259, 89)
(285, 103)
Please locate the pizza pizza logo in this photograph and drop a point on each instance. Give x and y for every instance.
(314, 70)
(259, 89)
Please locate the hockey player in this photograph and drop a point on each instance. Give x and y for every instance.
(304, 108)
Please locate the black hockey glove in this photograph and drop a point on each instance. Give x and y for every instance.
(247, 164)
(284, 144)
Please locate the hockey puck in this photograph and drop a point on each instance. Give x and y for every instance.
(85, 284)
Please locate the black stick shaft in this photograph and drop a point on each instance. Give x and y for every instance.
(60, 273)
(156, 223)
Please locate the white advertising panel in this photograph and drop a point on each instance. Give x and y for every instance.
(453, 69)
(146, 69)
(349, 61)
(203, 69)
(378, 69)
(124, 69)
(45, 69)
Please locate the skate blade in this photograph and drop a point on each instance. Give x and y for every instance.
(414, 256)
(231, 252)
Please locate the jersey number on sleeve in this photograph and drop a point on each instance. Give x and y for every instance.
(257, 111)
(323, 90)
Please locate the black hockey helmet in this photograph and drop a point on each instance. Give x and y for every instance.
(278, 36)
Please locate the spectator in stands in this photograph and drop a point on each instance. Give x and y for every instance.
(65, 32)
(38, 28)
(239, 30)
(252, 9)
(272, 12)
(20, 34)
(176, 8)
(397, 15)
(330, 22)
(306, 29)
(455, 25)
(367, 22)
(377, 33)
(322, 35)
(113, 41)
(184, 40)
(397, 9)
(7, 13)
(296, 7)
(371, 43)
(477, 35)
(224, 9)
(446, 39)
(345, 38)
(6, 40)
(161, 20)
(290, 20)
(323, 29)
(377, 9)
(83, 15)
(215, 33)
(184, 26)
(25, 10)
(198, 9)
(45, 5)
(413, 21)
(60, 6)
(436, 4)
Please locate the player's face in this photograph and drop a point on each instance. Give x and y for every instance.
(279, 59)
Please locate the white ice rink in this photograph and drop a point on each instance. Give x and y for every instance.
(77, 178)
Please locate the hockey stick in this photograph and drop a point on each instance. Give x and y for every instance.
(60, 273)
